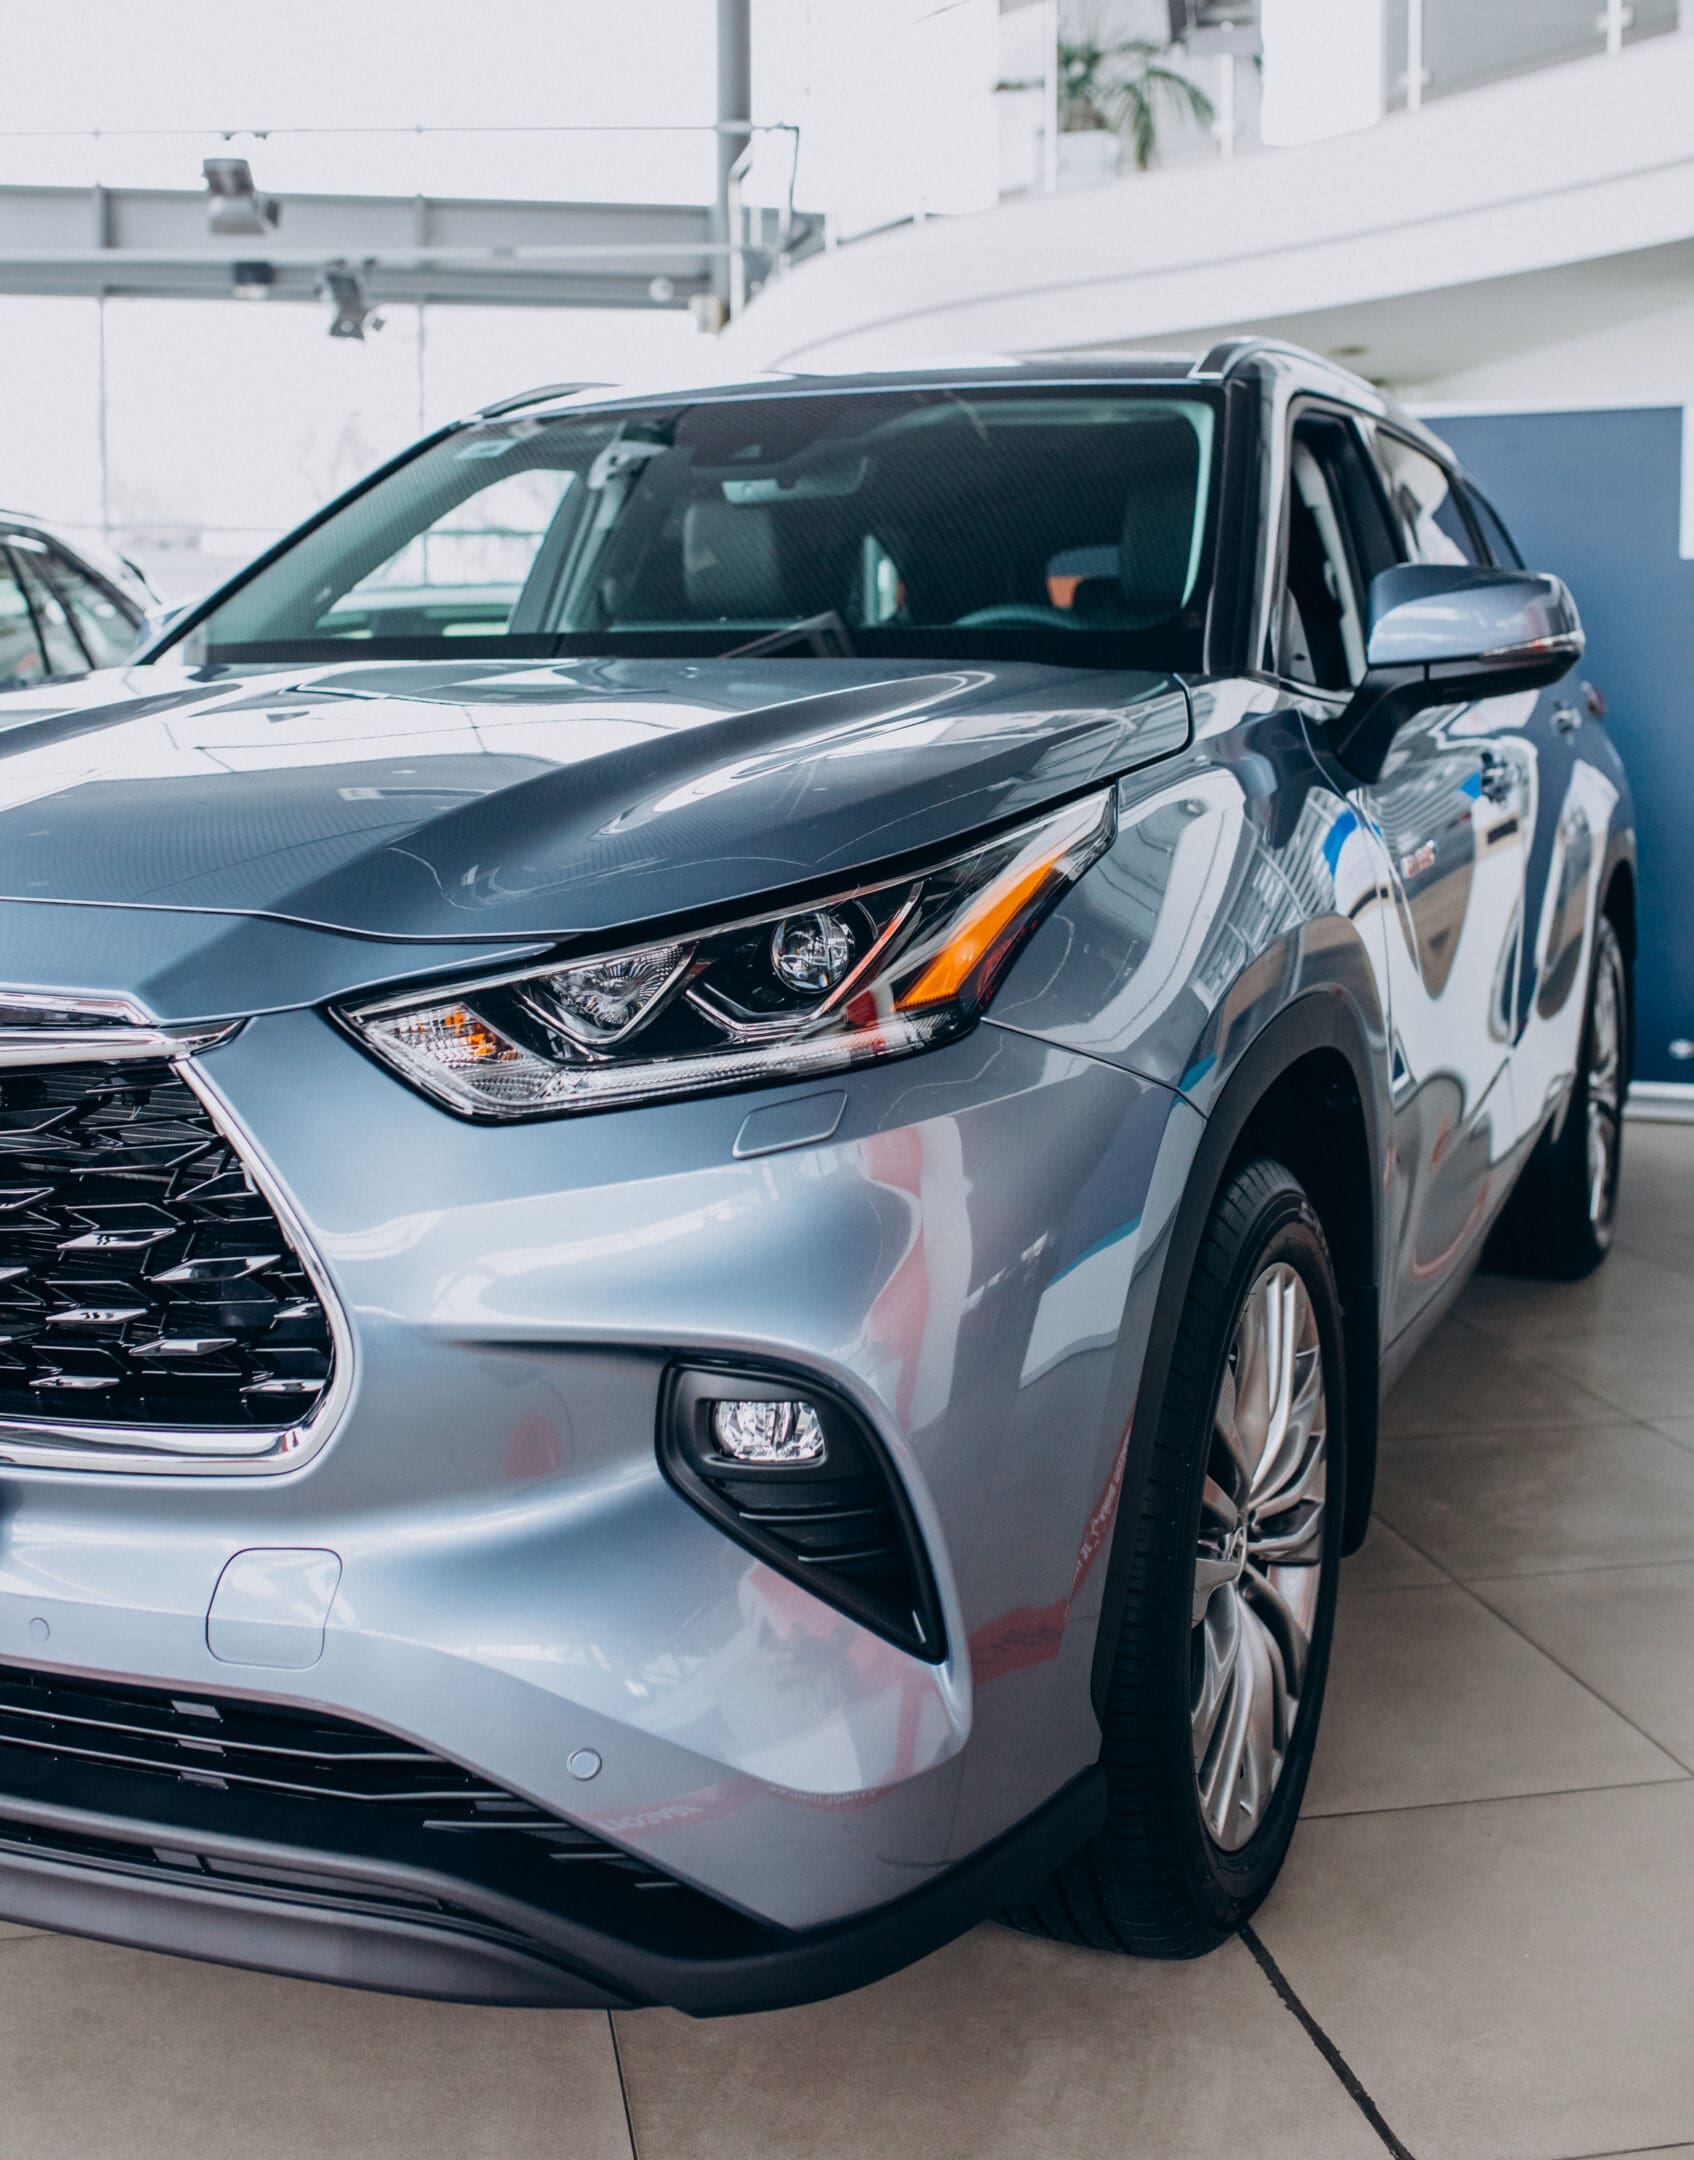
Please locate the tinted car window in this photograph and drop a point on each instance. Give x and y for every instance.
(1338, 539)
(1429, 511)
(1501, 545)
(65, 655)
(1058, 524)
(105, 628)
(20, 653)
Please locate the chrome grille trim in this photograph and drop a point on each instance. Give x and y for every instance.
(57, 1443)
(104, 1029)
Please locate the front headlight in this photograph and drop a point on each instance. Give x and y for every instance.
(874, 971)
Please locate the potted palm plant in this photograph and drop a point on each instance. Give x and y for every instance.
(1114, 92)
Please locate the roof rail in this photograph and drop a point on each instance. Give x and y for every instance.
(1229, 353)
(542, 395)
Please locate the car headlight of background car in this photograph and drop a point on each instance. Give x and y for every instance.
(874, 971)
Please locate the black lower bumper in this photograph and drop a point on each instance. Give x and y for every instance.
(155, 1868)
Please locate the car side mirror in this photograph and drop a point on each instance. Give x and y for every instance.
(1441, 634)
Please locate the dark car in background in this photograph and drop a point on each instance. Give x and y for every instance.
(718, 1115)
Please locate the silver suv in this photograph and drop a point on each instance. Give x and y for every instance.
(717, 1115)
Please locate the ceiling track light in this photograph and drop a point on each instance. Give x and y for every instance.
(349, 296)
(234, 204)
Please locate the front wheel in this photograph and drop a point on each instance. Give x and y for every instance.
(1218, 1677)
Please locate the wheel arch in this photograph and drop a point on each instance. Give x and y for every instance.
(1618, 902)
(1313, 1052)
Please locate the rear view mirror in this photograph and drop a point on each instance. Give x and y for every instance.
(1440, 634)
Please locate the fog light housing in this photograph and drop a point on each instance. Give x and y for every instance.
(768, 1432)
(789, 1468)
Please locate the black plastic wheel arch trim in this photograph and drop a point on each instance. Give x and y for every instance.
(1320, 1020)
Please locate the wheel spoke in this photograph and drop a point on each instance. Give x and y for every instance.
(1297, 1539)
(1264, 1757)
(1604, 1080)
(1287, 1698)
(1274, 1605)
(1287, 1528)
(1214, 1501)
(1240, 1776)
(1259, 1554)
(1290, 1463)
(1602, 1148)
(1605, 1035)
(1220, 1648)
(1210, 1575)
(1240, 1449)
(1222, 1768)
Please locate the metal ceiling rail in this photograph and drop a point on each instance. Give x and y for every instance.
(150, 242)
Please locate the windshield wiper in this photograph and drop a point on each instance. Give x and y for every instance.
(826, 635)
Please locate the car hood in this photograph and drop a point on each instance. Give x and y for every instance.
(428, 799)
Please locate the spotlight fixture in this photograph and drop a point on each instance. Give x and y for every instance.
(234, 204)
(345, 289)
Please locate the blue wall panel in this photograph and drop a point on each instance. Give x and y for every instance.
(1596, 496)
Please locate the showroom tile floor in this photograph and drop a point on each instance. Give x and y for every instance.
(1482, 1949)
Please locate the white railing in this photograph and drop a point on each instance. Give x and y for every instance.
(1429, 49)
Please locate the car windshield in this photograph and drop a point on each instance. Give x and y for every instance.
(1051, 524)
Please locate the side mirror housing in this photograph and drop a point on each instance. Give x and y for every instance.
(1441, 634)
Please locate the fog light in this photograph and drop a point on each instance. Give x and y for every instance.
(768, 1432)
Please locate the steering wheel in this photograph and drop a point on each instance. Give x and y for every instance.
(1016, 614)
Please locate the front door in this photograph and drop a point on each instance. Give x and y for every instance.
(1449, 812)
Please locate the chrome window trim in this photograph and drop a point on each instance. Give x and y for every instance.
(209, 1450)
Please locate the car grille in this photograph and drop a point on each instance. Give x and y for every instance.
(144, 1280)
(219, 1744)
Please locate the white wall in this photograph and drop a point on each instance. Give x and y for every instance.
(1570, 164)
(226, 422)
(1641, 359)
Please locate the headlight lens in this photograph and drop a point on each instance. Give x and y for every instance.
(874, 972)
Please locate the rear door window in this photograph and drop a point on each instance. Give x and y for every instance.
(1501, 545)
(1423, 494)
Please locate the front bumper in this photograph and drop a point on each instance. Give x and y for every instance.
(971, 1259)
(160, 1868)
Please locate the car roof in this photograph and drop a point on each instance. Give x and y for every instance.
(1256, 359)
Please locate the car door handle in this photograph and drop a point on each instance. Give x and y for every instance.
(1499, 780)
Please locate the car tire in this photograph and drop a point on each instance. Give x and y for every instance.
(1191, 1846)
(1559, 1223)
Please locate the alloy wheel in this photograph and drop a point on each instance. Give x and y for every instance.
(1258, 1569)
(1605, 1085)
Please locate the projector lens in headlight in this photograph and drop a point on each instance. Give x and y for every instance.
(874, 972)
